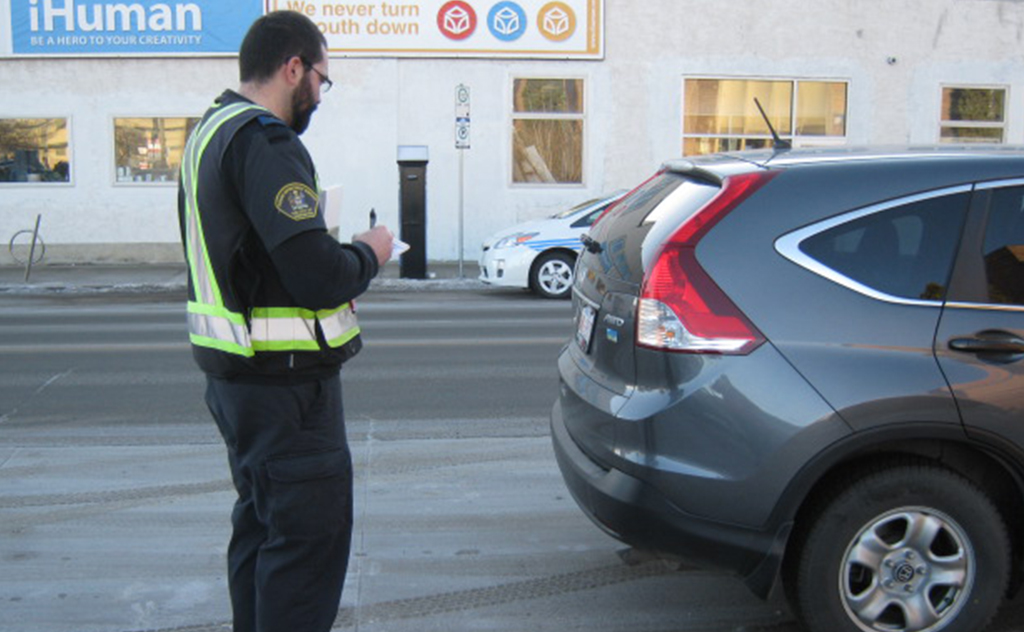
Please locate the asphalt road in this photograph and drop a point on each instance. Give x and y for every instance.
(434, 365)
(114, 494)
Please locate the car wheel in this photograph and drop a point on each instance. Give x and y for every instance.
(551, 275)
(908, 548)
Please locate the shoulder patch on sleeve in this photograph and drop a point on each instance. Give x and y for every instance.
(297, 201)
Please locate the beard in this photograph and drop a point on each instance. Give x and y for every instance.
(303, 106)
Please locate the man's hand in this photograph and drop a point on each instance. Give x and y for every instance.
(380, 239)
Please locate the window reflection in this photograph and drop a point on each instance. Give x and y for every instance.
(906, 251)
(726, 106)
(547, 131)
(149, 150)
(34, 150)
(548, 95)
(548, 151)
(721, 114)
(973, 115)
(821, 109)
(1004, 247)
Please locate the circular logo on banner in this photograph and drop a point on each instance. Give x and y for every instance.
(507, 21)
(556, 21)
(456, 19)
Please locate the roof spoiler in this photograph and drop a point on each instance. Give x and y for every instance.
(691, 169)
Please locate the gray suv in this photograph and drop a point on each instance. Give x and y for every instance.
(808, 366)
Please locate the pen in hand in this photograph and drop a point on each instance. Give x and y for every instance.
(373, 218)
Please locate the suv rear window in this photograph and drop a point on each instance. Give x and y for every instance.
(658, 206)
(905, 251)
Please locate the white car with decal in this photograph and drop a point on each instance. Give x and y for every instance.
(540, 254)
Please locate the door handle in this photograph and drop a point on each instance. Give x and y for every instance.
(988, 343)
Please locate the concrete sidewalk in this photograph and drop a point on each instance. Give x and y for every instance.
(170, 278)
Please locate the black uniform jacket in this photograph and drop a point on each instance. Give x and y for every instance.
(268, 244)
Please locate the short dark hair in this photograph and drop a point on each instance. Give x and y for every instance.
(275, 38)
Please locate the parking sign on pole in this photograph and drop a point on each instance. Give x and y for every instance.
(461, 144)
(462, 117)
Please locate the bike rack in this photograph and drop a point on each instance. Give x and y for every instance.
(32, 248)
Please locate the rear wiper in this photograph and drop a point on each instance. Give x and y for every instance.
(591, 244)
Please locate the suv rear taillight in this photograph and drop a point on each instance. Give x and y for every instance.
(681, 308)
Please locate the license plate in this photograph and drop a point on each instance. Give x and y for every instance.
(585, 327)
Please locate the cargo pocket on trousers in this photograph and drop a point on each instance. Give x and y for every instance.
(310, 494)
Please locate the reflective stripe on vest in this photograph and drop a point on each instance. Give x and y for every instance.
(217, 328)
(211, 323)
(287, 328)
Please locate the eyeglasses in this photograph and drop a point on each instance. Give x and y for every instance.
(325, 82)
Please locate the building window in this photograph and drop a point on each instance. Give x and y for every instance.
(34, 150)
(547, 131)
(150, 149)
(973, 115)
(721, 115)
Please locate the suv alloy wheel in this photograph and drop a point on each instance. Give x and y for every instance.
(908, 547)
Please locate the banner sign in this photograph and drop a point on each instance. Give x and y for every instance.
(560, 29)
(130, 27)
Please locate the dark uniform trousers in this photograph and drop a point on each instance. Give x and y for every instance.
(291, 466)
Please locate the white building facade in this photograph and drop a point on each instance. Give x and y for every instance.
(564, 100)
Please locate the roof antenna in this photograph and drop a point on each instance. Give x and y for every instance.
(777, 142)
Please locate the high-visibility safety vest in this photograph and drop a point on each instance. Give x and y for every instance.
(245, 331)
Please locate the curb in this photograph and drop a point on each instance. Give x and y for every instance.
(80, 280)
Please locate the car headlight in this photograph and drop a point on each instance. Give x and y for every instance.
(514, 240)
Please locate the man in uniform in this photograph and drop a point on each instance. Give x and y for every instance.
(271, 322)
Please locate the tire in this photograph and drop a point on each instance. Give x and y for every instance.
(911, 547)
(552, 274)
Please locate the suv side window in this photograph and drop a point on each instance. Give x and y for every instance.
(1003, 248)
(905, 251)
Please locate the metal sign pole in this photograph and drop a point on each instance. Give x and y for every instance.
(462, 217)
(462, 144)
(32, 248)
